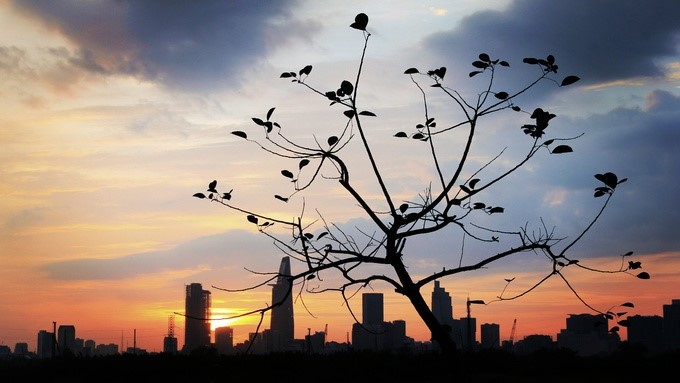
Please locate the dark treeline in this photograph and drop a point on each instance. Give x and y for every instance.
(488, 366)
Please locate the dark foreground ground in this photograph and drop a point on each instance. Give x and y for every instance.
(553, 367)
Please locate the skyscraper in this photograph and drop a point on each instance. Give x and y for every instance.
(282, 324)
(45, 344)
(441, 305)
(66, 339)
(442, 308)
(671, 324)
(491, 335)
(197, 318)
(372, 309)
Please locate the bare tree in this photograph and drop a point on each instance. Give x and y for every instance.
(452, 201)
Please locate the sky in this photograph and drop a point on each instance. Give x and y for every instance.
(114, 113)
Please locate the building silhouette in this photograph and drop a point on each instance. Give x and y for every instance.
(282, 326)
(491, 335)
(587, 335)
(46, 344)
(671, 325)
(442, 308)
(372, 309)
(197, 318)
(66, 339)
(646, 331)
(373, 333)
(224, 340)
(170, 341)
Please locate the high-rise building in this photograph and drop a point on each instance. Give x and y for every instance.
(491, 335)
(371, 333)
(646, 331)
(170, 341)
(46, 343)
(282, 324)
(224, 340)
(66, 339)
(442, 308)
(197, 318)
(671, 324)
(372, 309)
(587, 334)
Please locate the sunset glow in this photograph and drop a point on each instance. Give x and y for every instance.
(115, 113)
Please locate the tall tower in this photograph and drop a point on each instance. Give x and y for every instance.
(66, 339)
(170, 342)
(441, 304)
(197, 320)
(282, 324)
(372, 309)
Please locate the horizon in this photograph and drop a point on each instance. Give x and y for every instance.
(115, 113)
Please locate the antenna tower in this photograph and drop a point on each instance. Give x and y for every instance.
(171, 326)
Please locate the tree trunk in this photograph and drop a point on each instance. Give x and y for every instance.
(439, 333)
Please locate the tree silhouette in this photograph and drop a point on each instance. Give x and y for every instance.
(455, 199)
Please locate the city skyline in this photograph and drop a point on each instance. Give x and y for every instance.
(115, 113)
(372, 317)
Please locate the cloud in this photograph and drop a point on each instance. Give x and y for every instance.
(603, 41)
(214, 253)
(195, 46)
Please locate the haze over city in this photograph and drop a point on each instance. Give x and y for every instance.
(115, 113)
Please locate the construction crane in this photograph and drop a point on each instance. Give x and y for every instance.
(512, 332)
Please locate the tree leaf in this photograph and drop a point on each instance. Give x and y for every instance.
(306, 70)
(484, 57)
(465, 189)
(258, 121)
(269, 113)
(480, 64)
(474, 73)
(643, 275)
(360, 22)
(608, 179)
(418, 136)
(562, 149)
(411, 71)
(284, 199)
(251, 218)
(323, 234)
(199, 195)
(332, 140)
(628, 304)
(403, 208)
(287, 173)
(504, 63)
(569, 80)
(303, 163)
(401, 134)
(501, 95)
(348, 113)
(530, 60)
(367, 113)
(347, 87)
(496, 209)
(212, 186)
(478, 205)
(287, 74)
(240, 134)
(473, 182)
